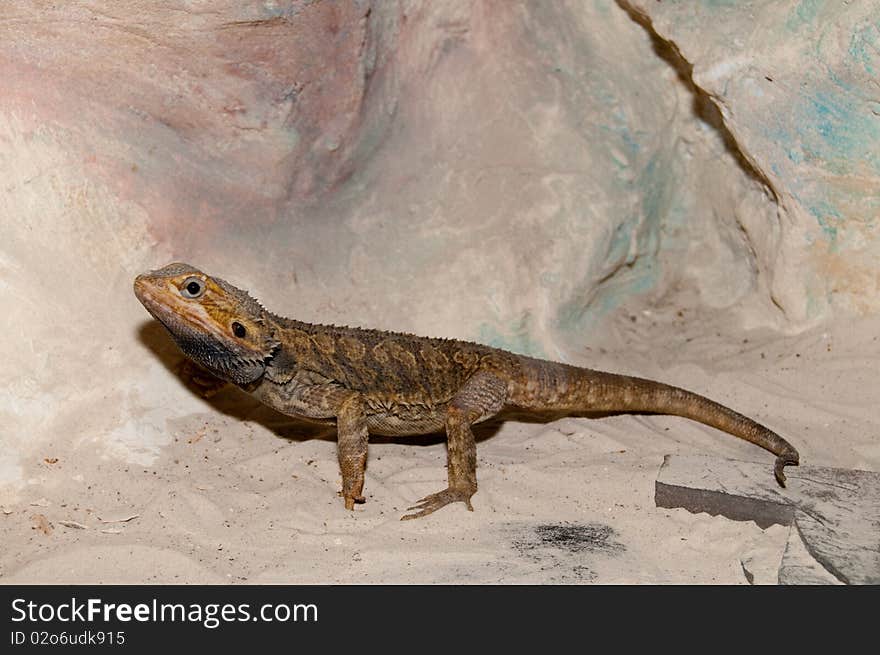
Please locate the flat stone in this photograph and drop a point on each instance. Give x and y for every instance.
(798, 567)
(836, 512)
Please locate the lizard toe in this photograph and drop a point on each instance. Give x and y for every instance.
(433, 502)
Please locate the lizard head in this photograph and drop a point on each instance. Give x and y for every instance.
(215, 324)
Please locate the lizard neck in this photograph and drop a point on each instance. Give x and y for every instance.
(282, 367)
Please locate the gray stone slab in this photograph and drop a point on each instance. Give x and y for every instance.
(836, 512)
(799, 568)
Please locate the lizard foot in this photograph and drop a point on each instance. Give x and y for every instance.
(351, 500)
(199, 380)
(432, 503)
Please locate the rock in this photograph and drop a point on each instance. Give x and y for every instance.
(835, 511)
(799, 568)
(796, 83)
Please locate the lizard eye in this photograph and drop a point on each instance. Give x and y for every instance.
(192, 287)
(238, 330)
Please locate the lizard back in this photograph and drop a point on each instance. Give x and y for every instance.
(403, 368)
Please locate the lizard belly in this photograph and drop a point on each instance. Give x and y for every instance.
(388, 424)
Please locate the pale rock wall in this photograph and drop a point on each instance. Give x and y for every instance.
(797, 84)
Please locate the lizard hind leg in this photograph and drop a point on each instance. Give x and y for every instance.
(480, 398)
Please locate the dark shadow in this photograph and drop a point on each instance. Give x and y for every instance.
(155, 337)
(230, 400)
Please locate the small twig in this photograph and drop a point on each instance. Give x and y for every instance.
(73, 524)
(123, 520)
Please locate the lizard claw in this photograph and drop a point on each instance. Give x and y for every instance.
(787, 459)
(351, 500)
(432, 503)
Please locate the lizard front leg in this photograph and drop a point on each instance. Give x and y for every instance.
(199, 380)
(480, 398)
(352, 438)
(322, 401)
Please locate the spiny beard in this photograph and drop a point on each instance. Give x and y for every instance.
(219, 359)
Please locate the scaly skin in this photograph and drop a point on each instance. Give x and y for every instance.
(387, 383)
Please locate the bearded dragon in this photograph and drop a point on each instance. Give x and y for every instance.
(395, 384)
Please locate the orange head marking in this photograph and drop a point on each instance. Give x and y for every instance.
(216, 324)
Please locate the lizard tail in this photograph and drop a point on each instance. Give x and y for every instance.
(552, 386)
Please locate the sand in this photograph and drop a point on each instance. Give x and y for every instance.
(240, 494)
